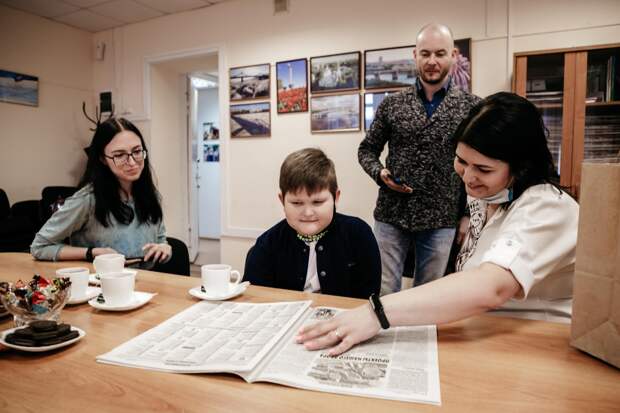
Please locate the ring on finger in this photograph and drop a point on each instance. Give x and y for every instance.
(337, 333)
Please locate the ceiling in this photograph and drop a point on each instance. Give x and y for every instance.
(97, 15)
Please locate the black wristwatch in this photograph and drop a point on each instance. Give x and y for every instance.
(89, 254)
(377, 307)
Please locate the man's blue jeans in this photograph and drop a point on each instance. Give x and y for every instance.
(432, 251)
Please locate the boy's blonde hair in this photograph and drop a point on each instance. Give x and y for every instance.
(308, 169)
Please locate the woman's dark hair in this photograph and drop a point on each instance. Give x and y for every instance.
(509, 128)
(106, 186)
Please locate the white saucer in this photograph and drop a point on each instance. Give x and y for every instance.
(91, 292)
(138, 300)
(41, 348)
(233, 291)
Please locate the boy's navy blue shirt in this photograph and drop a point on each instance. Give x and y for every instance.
(348, 260)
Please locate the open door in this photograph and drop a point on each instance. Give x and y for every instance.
(193, 170)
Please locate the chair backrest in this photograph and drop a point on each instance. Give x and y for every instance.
(52, 197)
(5, 206)
(179, 262)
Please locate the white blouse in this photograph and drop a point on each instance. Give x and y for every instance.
(535, 238)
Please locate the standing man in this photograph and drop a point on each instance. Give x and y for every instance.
(419, 191)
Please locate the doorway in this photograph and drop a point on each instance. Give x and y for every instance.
(177, 136)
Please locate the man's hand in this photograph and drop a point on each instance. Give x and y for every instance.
(387, 178)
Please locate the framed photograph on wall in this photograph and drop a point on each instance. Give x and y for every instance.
(19, 88)
(249, 82)
(371, 103)
(335, 73)
(461, 70)
(393, 67)
(250, 120)
(292, 81)
(335, 113)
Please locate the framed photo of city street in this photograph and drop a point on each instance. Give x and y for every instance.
(389, 68)
(292, 81)
(335, 113)
(250, 120)
(249, 82)
(335, 73)
(371, 103)
(19, 88)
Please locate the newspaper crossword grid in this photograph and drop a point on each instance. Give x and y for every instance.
(209, 333)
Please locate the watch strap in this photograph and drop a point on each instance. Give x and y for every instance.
(377, 307)
(89, 254)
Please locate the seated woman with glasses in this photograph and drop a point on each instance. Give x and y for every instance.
(117, 209)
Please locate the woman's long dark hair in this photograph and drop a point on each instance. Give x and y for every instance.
(106, 186)
(510, 128)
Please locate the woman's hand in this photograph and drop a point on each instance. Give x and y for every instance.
(104, 250)
(342, 332)
(157, 252)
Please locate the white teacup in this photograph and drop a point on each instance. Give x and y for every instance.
(118, 287)
(79, 280)
(105, 263)
(216, 278)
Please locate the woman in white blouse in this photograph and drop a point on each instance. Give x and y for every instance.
(519, 252)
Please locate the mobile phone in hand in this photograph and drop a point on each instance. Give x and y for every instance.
(397, 180)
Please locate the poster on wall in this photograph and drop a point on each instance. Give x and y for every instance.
(371, 103)
(211, 152)
(249, 82)
(461, 69)
(292, 79)
(335, 73)
(389, 68)
(250, 120)
(19, 88)
(335, 113)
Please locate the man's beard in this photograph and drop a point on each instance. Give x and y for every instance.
(442, 76)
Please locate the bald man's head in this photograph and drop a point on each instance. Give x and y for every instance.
(435, 30)
(434, 53)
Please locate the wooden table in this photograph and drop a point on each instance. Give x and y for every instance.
(486, 364)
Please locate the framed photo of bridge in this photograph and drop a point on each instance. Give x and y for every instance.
(389, 68)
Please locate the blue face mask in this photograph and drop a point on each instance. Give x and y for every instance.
(505, 195)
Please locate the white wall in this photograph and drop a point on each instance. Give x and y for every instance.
(42, 146)
(209, 193)
(246, 32)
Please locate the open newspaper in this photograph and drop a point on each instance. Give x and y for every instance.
(256, 342)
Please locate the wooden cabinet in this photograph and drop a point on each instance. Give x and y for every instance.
(578, 93)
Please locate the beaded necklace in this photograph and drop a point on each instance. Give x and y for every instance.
(311, 238)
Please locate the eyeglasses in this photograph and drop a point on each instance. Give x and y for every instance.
(121, 159)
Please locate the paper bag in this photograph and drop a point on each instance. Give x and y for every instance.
(596, 291)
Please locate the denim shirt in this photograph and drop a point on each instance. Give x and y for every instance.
(76, 221)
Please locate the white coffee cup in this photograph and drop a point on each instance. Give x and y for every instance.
(109, 263)
(79, 280)
(216, 278)
(118, 287)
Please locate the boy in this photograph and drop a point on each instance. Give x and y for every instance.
(315, 249)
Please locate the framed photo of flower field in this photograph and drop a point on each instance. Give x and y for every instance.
(292, 85)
